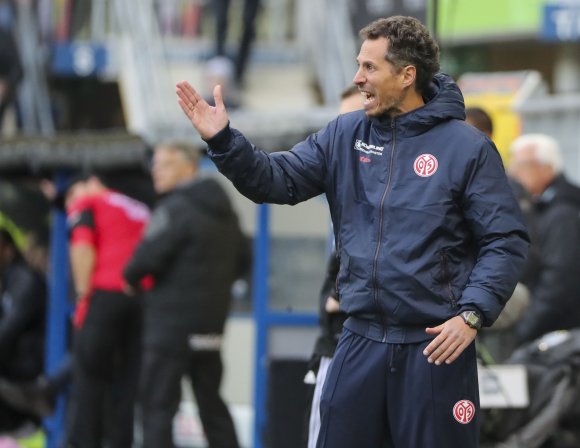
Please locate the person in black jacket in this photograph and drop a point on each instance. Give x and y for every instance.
(22, 314)
(552, 274)
(193, 248)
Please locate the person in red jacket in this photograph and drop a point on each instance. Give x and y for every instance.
(105, 227)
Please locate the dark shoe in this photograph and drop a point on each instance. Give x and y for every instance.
(33, 397)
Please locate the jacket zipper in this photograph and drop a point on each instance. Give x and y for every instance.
(380, 235)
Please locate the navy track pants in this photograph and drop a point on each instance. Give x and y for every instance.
(382, 395)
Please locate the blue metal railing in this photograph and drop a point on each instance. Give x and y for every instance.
(265, 320)
(58, 312)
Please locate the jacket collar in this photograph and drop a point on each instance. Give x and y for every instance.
(443, 101)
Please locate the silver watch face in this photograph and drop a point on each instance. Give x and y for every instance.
(472, 319)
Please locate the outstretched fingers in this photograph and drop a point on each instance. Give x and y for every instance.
(186, 97)
(206, 119)
(185, 107)
(218, 97)
(189, 96)
(184, 88)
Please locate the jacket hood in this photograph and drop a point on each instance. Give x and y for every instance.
(443, 101)
(206, 194)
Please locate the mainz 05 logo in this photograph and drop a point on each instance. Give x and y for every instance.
(425, 165)
(361, 146)
(464, 411)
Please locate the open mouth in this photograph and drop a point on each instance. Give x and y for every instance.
(368, 98)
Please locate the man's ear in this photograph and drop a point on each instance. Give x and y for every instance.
(409, 74)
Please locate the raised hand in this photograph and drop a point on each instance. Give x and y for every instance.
(207, 120)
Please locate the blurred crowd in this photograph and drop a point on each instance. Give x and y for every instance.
(151, 291)
(50, 22)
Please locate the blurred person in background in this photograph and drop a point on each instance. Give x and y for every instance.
(194, 249)
(331, 318)
(22, 317)
(497, 345)
(553, 274)
(80, 19)
(250, 13)
(38, 397)
(219, 70)
(105, 227)
(35, 396)
(10, 65)
(480, 119)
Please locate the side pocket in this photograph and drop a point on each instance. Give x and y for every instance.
(342, 276)
(446, 277)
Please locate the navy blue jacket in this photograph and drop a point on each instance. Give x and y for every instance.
(425, 222)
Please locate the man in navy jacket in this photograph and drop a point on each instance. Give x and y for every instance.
(430, 239)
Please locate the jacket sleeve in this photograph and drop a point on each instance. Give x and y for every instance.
(500, 235)
(286, 177)
(165, 234)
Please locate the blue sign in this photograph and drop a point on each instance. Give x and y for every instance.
(561, 22)
(79, 59)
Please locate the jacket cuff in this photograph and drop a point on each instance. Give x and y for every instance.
(482, 301)
(220, 142)
(469, 307)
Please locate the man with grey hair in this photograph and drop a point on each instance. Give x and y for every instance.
(194, 250)
(553, 275)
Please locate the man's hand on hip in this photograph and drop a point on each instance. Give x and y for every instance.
(452, 337)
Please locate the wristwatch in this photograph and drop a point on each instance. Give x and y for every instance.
(472, 319)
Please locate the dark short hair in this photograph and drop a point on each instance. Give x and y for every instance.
(410, 43)
(480, 119)
(76, 177)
